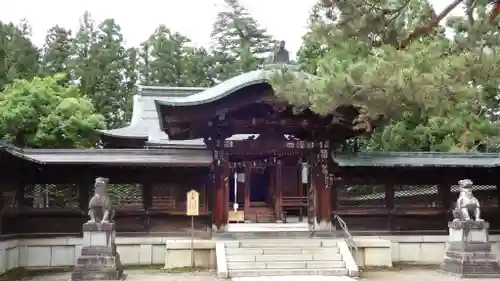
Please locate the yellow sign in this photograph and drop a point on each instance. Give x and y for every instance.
(193, 203)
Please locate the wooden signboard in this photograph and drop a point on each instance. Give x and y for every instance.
(192, 209)
(193, 203)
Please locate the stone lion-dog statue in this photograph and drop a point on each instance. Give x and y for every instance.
(100, 206)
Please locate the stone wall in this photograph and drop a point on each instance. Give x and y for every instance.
(410, 249)
(61, 252)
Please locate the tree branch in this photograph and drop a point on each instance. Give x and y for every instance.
(431, 24)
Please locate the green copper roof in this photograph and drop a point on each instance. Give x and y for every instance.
(220, 90)
(417, 159)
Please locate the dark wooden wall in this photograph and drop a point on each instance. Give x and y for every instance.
(53, 200)
(410, 200)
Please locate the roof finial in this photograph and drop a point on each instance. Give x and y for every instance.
(280, 55)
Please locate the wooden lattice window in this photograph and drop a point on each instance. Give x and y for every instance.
(126, 196)
(417, 196)
(361, 196)
(50, 196)
(486, 194)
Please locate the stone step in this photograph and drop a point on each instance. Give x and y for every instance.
(96, 275)
(287, 243)
(97, 267)
(286, 272)
(286, 265)
(279, 251)
(281, 234)
(104, 260)
(301, 257)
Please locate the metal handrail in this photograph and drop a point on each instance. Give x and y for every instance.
(350, 240)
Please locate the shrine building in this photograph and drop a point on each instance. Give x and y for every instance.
(251, 158)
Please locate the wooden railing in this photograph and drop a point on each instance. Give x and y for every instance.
(296, 203)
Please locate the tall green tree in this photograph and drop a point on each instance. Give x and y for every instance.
(42, 112)
(238, 42)
(392, 58)
(168, 58)
(19, 57)
(104, 69)
(56, 51)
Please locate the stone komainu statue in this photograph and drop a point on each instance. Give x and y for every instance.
(467, 205)
(100, 206)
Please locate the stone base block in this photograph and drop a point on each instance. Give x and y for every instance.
(99, 259)
(97, 275)
(471, 264)
(90, 268)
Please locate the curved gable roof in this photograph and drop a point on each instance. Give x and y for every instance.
(220, 90)
(228, 87)
(144, 115)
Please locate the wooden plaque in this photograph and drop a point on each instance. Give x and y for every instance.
(193, 203)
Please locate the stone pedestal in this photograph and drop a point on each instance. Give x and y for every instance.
(99, 259)
(469, 252)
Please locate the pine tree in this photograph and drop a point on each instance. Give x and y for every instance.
(167, 58)
(56, 52)
(238, 42)
(100, 64)
(392, 59)
(19, 57)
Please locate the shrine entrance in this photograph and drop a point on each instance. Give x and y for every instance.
(265, 141)
(260, 182)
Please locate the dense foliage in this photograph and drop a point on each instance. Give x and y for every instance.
(41, 108)
(393, 58)
(43, 113)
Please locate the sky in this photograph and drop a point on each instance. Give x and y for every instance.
(138, 19)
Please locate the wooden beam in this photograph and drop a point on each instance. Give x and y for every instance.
(279, 189)
(389, 203)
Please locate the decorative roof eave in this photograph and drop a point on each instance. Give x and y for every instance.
(218, 91)
(228, 87)
(128, 132)
(416, 160)
(173, 91)
(114, 157)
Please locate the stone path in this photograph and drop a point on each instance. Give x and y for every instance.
(294, 278)
(404, 274)
(414, 274)
(141, 275)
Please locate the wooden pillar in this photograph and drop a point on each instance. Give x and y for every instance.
(247, 190)
(209, 191)
(389, 204)
(334, 193)
(2, 206)
(316, 184)
(226, 179)
(20, 195)
(498, 196)
(325, 201)
(147, 195)
(444, 192)
(147, 200)
(85, 187)
(279, 189)
(219, 204)
(272, 184)
(300, 189)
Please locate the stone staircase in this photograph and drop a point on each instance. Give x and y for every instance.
(282, 257)
(260, 214)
